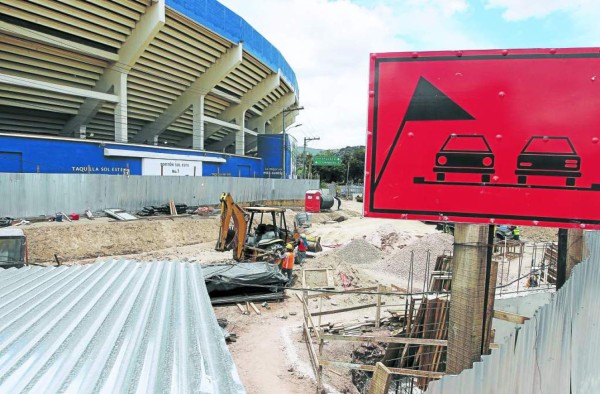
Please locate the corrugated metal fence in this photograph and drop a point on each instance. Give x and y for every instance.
(554, 352)
(41, 194)
(111, 327)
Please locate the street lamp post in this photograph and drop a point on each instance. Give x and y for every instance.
(283, 175)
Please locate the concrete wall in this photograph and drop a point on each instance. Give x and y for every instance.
(524, 305)
(42, 194)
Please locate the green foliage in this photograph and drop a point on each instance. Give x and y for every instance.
(353, 155)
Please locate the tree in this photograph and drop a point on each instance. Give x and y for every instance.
(353, 155)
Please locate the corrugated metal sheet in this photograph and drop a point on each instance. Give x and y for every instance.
(37, 194)
(554, 352)
(111, 327)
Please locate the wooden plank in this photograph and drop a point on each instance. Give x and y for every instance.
(364, 338)
(510, 317)
(314, 360)
(308, 316)
(255, 308)
(241, 308)
(378, 308)
(352, 308)
(330, 279)
(334, 372)
(371, 368)
(361, 289)
(380, 382)
(489, 311)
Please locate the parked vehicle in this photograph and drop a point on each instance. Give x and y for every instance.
(467, 154)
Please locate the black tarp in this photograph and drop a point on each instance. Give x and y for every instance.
(242, 278)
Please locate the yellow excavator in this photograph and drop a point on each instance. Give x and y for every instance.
(256, 234)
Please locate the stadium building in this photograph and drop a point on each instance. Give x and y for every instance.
(140, 87)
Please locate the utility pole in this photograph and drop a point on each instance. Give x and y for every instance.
(283, 175)
(348, 176)
(306, 139)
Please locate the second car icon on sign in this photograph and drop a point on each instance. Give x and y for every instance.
(548, 156)
(466, 154)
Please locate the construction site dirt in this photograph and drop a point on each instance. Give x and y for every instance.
(270, 352)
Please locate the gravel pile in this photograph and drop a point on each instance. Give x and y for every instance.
(539, 234)
(398, 263)
(359, 251)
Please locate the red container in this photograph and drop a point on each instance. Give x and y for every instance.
(312, 201)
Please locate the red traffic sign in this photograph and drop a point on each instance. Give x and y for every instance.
(492, 137)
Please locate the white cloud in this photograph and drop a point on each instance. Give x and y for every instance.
(328, 43)
(517, 10)
(582, 12)
(582, 15)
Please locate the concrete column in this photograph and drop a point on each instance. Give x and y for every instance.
(198, 124)
(121, 108)
(240, 135)
(468, 301)
(261, 127)
(82, 131)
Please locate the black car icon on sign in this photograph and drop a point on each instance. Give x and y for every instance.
(548, 156)
(466, 154)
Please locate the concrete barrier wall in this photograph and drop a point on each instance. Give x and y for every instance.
(42, 194)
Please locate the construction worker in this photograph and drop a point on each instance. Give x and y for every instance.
(516, 233)
(287, 263)
(302, 247)
(302, 243)
(339, 201)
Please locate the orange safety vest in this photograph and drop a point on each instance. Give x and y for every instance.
(288, 261)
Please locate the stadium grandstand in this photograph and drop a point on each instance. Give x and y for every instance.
(165, 77)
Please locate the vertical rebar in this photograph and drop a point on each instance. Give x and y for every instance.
(411, 274)
(519, 270)
(425, 274)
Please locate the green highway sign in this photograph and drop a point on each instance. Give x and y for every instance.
(332, 161)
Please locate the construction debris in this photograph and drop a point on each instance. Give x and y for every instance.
(119, 214)
(166, 209)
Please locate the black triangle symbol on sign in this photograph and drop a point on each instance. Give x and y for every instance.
(430, 103)
(427, 103)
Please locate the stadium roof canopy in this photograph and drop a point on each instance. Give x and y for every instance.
(184, 73)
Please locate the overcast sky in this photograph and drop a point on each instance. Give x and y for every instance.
(328, 43)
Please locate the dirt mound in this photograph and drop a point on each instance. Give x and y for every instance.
(90, 239)
(539, 234)
(359, 251)
(421, 252)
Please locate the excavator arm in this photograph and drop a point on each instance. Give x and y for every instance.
(232, 237)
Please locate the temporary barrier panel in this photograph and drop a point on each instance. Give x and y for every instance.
(505, 137)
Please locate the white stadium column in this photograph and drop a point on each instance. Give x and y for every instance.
(198, 124)
(201, 86)
(271, 111)
(253, 96)
(240, 135)
(121, 108)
